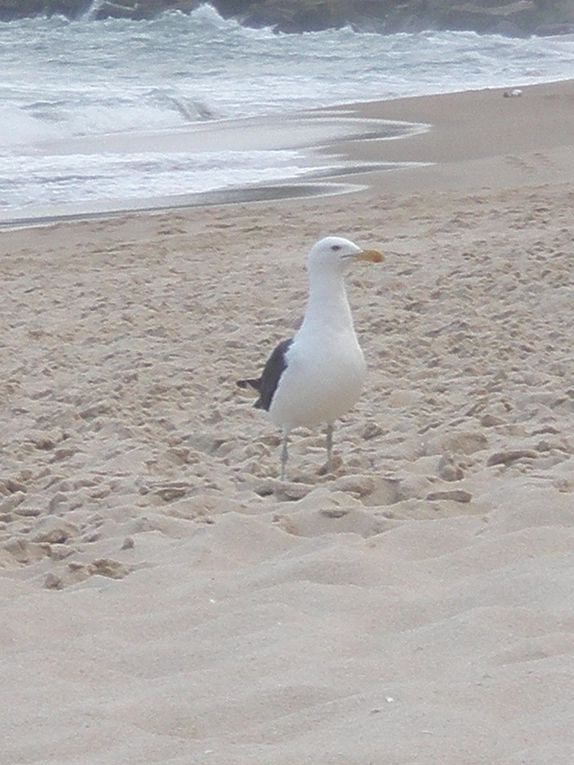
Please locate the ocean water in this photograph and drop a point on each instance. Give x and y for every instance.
(87, 108)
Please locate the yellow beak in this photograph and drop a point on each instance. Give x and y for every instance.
(371, 255)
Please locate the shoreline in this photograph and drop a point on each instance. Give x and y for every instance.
(438, 134)
(308, 132)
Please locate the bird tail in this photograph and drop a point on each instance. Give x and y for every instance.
(256, 384)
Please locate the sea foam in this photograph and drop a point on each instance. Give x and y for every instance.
(63, 79)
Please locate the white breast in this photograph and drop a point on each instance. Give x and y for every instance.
(323, 380)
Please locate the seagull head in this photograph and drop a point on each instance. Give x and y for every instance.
(334, 253)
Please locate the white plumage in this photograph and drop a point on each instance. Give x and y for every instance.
(318, 375)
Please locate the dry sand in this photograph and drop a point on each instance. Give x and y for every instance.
(164, 599)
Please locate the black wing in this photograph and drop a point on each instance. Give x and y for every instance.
(269, 380)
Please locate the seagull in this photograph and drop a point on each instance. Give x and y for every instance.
(317, 375)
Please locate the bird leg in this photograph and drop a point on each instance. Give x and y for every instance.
(329, 465)
(284, 454)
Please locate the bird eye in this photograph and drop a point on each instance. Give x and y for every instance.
(335, 247)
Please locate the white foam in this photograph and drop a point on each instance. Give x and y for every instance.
(123, 77)
(18, 127)
(66, 179)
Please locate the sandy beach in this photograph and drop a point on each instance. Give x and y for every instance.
(166, 599)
